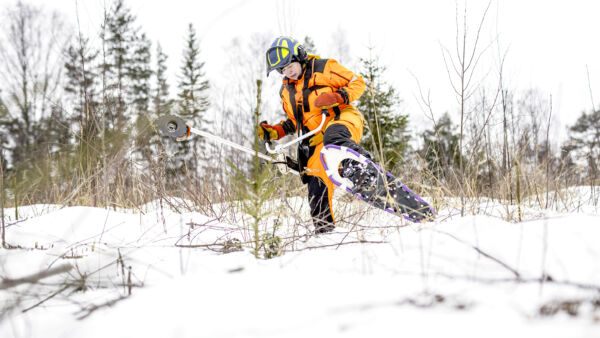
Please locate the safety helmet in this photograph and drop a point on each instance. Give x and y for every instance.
(283, 51)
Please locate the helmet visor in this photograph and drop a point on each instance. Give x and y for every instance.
(277, 58)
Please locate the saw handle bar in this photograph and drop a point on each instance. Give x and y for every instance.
(280, 147)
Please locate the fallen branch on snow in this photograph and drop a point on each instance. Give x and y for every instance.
(8, 283)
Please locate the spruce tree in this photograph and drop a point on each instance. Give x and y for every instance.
(193, 97)
(160, 106)
(193, 102)
(148, 139)
(584, 141)
(160, 98)
(118, 35)
(81, 81)
(81, 78)
(310, 46)
(140, 73)
(385, 136)
(441, 147)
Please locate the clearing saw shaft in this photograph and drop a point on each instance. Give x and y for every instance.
(175, 127)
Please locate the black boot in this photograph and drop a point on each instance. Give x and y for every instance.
(362, 175)
(324, 228)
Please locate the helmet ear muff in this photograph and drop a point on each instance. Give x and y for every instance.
(302, 55)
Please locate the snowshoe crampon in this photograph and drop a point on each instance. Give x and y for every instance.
(371, 184)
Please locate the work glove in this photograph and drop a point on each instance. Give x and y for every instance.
(316, 139)
(328, 100)
(269, 132)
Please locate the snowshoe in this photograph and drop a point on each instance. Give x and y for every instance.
(364, 179)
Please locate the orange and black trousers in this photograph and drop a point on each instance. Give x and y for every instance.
(347, 131)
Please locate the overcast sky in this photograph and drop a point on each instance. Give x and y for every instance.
(549, 44)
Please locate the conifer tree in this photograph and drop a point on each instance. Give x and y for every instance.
(584, 141)
(160, 98)
(193, 102)
(386, 136)
(81, 78)
(310, 46)
(193, 87)
(139, 72)
(118, 36)
(160, 105)
(441, 147)
(81, 81)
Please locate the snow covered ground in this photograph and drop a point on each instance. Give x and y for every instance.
(155, 272)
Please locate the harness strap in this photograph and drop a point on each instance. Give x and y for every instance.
(295, 107)
(337, 112)
(298, 115)
(305, 89)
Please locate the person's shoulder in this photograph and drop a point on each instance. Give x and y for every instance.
(331, 63)
(319, 63)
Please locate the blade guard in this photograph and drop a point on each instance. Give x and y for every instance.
(172, 126)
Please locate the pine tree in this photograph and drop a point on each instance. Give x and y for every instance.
(193, 102)
(161, 105)
(310, 46)
(118, 35)
(584, 141)
(386, 136)
(139, 73)
(147, 139)
(441, 147)
(160, 99)
(193, 99)
(81, 81)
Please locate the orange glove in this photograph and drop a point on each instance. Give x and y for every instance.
(328, 100)
(271, 132)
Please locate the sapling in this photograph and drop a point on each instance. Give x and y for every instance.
(254, 192)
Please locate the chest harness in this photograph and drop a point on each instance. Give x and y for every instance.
(299, 107)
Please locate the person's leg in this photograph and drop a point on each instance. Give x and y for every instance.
(339, 135)
(347, 132)
(320, 205)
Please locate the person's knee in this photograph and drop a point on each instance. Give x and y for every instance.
(336, 134)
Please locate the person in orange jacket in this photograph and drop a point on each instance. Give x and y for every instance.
(311, 84)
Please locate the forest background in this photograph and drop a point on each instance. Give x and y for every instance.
(480, 99)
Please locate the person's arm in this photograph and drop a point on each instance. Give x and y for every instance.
(277, 131)
(351, 86)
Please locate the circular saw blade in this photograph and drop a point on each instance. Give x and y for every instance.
(172, 126)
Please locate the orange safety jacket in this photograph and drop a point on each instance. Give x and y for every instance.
(298, 99)
(320, 76)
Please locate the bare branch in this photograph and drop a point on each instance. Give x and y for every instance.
(8, 283)
(478, 33)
